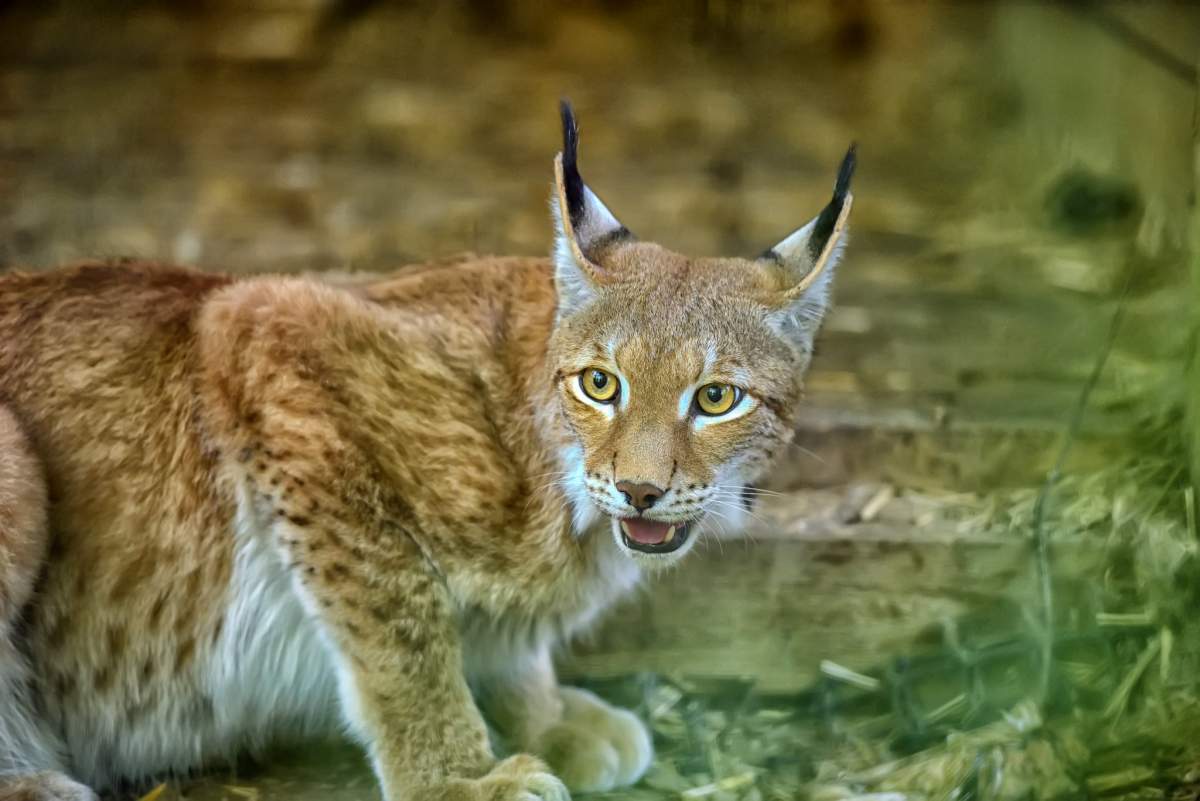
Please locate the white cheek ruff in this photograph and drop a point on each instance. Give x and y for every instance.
(584, 513)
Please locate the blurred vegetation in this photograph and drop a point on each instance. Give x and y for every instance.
(1026, 170)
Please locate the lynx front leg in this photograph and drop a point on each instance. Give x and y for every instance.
(592, 745)
(392, 626)
(28, 758)
(303, 387)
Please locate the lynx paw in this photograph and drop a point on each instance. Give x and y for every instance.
(48, 786)
(596, 747)
(523, 778)
(518, 778)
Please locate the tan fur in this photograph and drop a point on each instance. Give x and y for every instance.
(386, 466)
(22, 519)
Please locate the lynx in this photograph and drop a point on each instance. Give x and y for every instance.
(237, 509)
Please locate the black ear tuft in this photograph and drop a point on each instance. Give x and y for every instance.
(845, 173)
(828, 217)
(573, 182)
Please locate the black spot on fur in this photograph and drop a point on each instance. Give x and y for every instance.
(828, 217)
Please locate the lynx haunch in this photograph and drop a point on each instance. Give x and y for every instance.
(238, 509)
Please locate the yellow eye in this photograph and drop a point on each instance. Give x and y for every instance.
(715, 400)
(599, 385)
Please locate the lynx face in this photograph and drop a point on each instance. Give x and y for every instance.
(678, 376)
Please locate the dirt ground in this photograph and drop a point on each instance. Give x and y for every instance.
(1025, 170)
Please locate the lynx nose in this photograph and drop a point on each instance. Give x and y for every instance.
(641, 496)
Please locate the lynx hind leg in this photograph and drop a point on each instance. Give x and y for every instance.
(23, 535)
(28, 757)
(46, 786)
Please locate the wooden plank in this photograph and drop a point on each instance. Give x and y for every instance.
(1172, 28)
(1193, 386)
(913, 450)
(800, 587)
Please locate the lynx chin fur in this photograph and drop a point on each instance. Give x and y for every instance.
(237, 509)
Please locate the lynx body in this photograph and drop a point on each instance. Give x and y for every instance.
(233, 510)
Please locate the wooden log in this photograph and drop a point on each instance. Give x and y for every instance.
(801, 587)
(1193, 388)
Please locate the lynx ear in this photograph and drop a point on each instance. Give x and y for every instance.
(807, 258)
(585, 226)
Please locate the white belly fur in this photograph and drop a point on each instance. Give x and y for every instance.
(271, 672)
(269, 676)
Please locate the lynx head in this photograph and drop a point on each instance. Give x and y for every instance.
(678, 376)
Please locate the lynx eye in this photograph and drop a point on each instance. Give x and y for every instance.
(715, 400)
(599, 385)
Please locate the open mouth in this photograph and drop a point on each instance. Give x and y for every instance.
(653, 536)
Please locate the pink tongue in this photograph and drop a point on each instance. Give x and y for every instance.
(647, 532)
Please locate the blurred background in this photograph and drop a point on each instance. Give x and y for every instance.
(980, 576)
